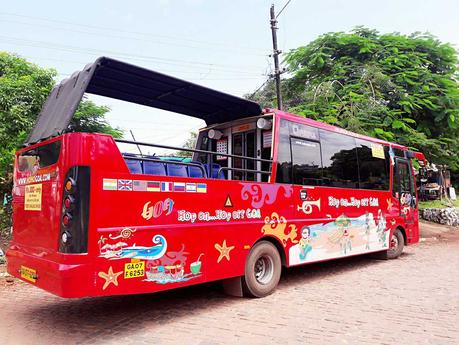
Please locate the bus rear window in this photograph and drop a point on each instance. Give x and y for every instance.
(39, 157)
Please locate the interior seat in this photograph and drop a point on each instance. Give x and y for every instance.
(176, 170)
(154, 168)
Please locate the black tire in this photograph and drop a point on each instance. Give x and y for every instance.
(396, 244)
(262, 270)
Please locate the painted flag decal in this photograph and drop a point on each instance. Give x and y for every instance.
(201, 188)
(109, 184)
(125, 185)
(191, 187)
(140, 186)
(166, 186)
(153, 186)
(179, 187)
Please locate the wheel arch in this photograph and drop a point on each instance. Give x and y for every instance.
(403, 231)
(280, 248)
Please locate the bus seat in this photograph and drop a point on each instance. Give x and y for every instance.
(154, 168)
(215, 168)
(176, 170)
(194, 171)
(135, 166)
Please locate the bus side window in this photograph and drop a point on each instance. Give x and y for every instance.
(307, 163)
(404, 176)
(373, 166)
(284, 154)
(339, 160)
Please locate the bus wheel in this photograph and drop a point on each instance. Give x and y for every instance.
(262, 270)
(396, 245)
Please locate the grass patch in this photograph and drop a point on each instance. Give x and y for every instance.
(438, 203)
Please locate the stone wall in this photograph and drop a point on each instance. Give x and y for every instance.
(446, 216)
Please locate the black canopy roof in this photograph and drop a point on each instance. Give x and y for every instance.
(123, 81)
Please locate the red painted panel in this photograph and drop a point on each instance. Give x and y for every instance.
(151, 233)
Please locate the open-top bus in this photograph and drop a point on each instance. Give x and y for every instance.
(263, 189)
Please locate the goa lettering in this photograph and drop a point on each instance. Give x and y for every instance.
(157, 209)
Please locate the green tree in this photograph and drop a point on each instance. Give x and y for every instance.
(90, 117)
(24, 88)
(392, 86)
(190, 143)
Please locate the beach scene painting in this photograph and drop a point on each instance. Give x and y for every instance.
(339, 238)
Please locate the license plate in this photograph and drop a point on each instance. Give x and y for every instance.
(28, 274)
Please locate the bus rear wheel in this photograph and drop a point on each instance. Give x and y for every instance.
(396, 244)
(262, 270)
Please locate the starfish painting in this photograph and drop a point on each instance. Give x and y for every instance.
(110, 277)
(224, 251)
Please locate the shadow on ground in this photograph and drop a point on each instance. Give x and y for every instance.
(93, 319)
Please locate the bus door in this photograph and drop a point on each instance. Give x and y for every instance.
(405, 192)
(244, 144)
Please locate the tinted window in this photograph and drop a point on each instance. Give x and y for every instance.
(403, 178)
(39, 157)
(304, 131)
(339, 160)
(284, 156)
(307, 164)
(398, 152)
(373, 165)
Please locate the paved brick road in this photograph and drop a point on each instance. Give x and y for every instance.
(413, 300)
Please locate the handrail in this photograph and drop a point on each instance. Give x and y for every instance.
(244, 170)
(191, 150)
(143, 159)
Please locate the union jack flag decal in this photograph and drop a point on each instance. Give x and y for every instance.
(124, 184)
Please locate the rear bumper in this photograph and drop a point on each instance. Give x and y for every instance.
(64, 280)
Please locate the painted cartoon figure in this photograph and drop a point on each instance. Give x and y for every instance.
(305, 243)
(381, 229)
(343, 223)
(367, 230)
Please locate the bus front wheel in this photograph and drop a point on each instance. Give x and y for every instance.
(396, 244)
(262, 270)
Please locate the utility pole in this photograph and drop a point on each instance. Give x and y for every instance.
(276, 53)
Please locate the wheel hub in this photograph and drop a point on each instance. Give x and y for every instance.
(264, 270)
(393, 243)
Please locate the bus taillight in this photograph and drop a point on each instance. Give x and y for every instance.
(67, 219)
(69, 202)
(73, 237)
(70, 185)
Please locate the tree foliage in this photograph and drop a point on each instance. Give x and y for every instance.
(90, 117)
(190, 143)
(24, 87)
(392, 86)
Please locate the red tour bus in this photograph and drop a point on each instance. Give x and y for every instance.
(263, 189)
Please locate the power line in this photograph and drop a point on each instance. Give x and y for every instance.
(283, 8)
(222, 49)
(49, 45)
(191, 79)
(261, 86)
(218, 72)
(186, 39)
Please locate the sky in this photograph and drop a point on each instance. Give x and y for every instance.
(219, 44)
